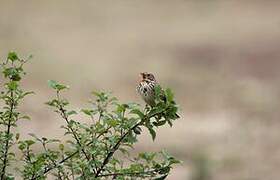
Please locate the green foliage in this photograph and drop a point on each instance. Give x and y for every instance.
(90, 151)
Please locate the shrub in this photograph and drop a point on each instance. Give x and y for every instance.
(90, 152)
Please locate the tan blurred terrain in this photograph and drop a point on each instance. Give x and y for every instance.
(221, 58)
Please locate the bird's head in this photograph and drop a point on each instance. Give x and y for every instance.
(147, 76)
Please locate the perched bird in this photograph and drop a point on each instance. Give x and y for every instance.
(146, 88)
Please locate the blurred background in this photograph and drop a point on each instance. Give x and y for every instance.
(221, 58)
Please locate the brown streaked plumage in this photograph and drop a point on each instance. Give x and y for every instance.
(146, 88)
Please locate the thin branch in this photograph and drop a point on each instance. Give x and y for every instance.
(5, 161)
(48, 169)
(65, 117)
(29, 160)
(52, 160)
(136, 174)
(115, 148)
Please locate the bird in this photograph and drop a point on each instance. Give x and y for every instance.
(146, 89)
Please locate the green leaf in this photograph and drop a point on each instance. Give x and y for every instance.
(158, 90)
(164, 170)
(148, 156)
(156, 110)
(15, 77)
(9, 71)
(53, 102)
(30, 57)
(55, 85)
(112, 122)
(9, 177)
(60, 87)
(71, 113)
(28, 93)
(120, 108)
(125, 106)
(87, 112)
(12, 85)
(138, 112)
(61, 147)
(12, 56)
(169, 95)
(169, 122)
(153, 133)
(53, 140)
(101, 96)
(52, 84)
(22, 146)
(124, 151)
(172, 160)
(12, 154)
(161, 177)
(25, 117)
(159, 123)
(17, 136)
(29, 142)
(137, 130)
(34, 136)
